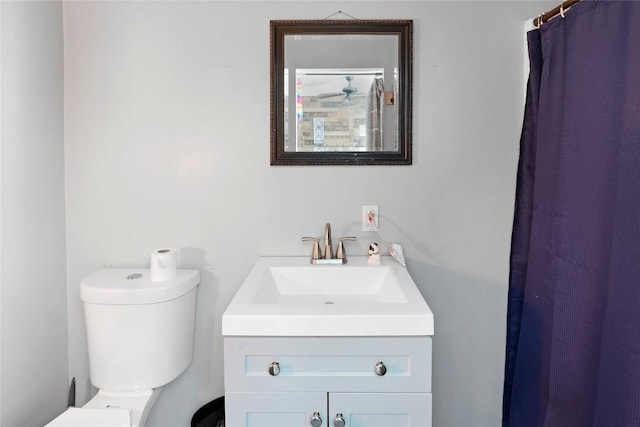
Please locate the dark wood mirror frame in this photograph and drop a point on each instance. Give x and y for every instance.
(404, 31)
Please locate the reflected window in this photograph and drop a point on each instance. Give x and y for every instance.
(337, 110)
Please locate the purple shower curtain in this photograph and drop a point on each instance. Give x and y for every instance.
(573, 321)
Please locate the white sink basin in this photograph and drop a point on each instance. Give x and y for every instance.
(287, 296)
(330, 284)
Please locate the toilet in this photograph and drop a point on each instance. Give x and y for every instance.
(140, 338)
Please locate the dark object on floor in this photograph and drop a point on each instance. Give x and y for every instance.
(71, 397)
(210, 415)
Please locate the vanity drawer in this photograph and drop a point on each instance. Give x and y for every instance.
(321, 364)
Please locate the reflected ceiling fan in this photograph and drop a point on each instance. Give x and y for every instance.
(348, 92)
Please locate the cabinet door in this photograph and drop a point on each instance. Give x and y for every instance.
(381, 409)
(275, 409)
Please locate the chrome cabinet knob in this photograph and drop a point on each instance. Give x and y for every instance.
(316, 420)
(381, 370)
(339, 421)
(274, 369)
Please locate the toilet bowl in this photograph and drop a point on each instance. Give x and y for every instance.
(131, 320)
(110, 409)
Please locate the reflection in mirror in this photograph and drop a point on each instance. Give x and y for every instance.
(341, 92)
(338, 110)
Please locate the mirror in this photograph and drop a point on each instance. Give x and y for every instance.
(341, 92)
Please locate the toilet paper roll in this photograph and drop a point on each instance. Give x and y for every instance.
(164, 263)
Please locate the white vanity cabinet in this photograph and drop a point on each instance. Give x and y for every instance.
(327, 381)
(327, 346)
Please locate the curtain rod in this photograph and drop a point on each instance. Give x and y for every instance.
(538, 21)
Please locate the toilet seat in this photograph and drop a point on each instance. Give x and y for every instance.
(92, 417)
(110, 409)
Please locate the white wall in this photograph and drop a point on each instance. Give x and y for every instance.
(167, 144)
(33, 310)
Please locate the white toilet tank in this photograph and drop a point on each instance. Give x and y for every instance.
(139, 332)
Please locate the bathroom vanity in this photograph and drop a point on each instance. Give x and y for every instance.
(327, 346)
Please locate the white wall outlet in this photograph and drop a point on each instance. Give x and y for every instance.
(370, 218)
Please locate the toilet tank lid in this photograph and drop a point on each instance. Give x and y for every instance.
(133, 286)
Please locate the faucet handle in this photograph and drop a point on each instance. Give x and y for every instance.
(340, 253)
(315, 252)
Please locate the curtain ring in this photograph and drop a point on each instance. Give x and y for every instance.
(539, 21)
(562, 10)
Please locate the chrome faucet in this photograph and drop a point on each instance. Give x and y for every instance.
(326, 257)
